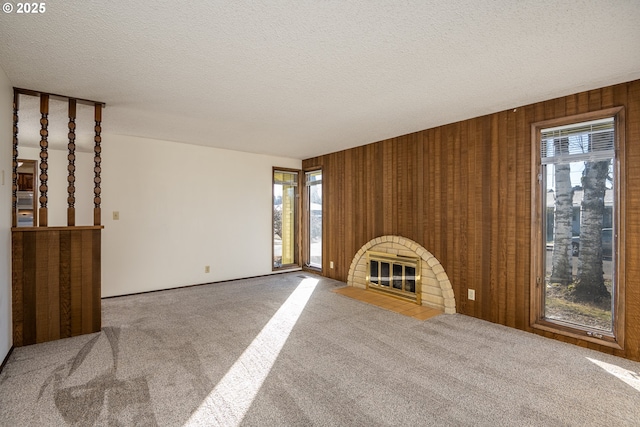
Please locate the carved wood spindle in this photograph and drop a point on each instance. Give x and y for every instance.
(44, 159)
(16, 104)
(71, 178)
(97, 169)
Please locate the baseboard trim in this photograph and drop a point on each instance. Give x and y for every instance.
(6, 359)
(293, 270)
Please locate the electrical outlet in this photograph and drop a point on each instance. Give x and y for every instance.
(116, 215)
(330, 264)
(471, 294)
(207, 269)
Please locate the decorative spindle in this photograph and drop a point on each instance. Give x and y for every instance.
(44, 158)
(71, 178)
(97, 169)
(14, 216)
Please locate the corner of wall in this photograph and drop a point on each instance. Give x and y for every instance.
(6, 149)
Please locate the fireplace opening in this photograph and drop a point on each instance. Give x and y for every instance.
(395, 275)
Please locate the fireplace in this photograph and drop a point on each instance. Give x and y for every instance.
(394, 274)
(394, 260)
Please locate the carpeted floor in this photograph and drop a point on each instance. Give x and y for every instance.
(284, 350)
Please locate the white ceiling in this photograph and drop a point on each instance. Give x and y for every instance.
(302, 78)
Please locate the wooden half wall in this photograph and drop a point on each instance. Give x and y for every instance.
(56, 283)
(463, 191)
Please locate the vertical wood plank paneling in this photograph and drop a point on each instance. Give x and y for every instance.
(463, 191)
(420, 189)
(407, 224)
(434, 226)
(392, 178)
(606, 97)
(429, 173)
(632, 221)
(511, 196)
(42, 291)
(75, 262)
(595, 99)
(87, 286)
(583, 103)
(349, 206)
(464, 249)
(43, 260)
(358, 211)
(401, 188)
(483, 287)
(494, 294)
(378, 202)
(65, 283)
(523, 221)
(339, 249)
(29, 289)
(454, 262)
(387, 187)
(571, 104)
(368, 188)
(53, 286)
(472, 221)
(499, 155)
(17, 273)
(96, 280)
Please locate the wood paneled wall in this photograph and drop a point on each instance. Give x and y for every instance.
(56, 283)
(463, 191)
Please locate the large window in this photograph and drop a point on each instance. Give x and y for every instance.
(313, 180)
(578, 287)
(285, 218)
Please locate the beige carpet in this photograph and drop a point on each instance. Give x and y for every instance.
(286, 351)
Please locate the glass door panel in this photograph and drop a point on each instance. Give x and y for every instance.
(314, 220)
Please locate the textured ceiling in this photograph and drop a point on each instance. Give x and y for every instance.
(302, 78)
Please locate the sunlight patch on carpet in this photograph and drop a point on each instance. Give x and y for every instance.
(230, 400)
(629, 377)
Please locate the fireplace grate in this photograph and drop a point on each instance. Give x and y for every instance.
(393, 274)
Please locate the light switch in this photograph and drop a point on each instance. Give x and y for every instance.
(116, 215)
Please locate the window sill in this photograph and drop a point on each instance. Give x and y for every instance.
(607, 340)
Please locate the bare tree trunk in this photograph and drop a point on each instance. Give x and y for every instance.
(562, 253)
(590, 284)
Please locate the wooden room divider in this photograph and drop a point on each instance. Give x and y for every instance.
(56, 272)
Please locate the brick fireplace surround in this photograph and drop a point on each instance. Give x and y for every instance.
(436, 287)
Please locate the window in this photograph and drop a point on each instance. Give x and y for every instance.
(313, 180)
(577, 181)
(285, 218)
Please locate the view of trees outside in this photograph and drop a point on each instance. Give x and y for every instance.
(579, 206)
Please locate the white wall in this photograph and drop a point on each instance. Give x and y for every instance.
(6, 167)
(183, 207)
